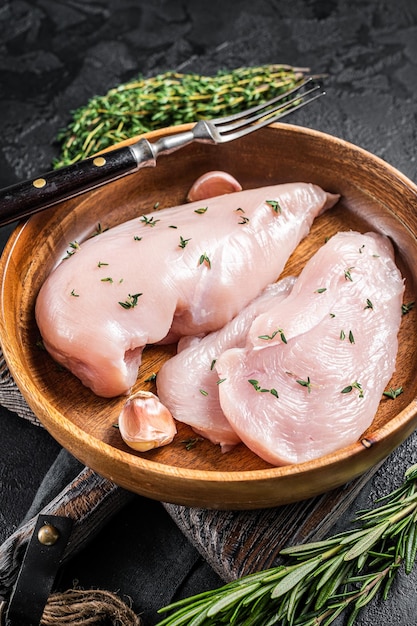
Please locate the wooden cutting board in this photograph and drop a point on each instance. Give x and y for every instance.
(237, 543)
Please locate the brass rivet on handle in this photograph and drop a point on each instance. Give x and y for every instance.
(48, 535)
(39, 183)
(99, 161)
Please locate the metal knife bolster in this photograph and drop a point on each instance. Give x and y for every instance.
(23, 199)
(26, 198)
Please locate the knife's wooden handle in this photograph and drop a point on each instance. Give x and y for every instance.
(31, 196)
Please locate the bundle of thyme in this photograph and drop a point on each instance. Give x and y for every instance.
(320, 580)
(168, 99)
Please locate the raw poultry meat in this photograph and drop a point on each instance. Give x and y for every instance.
(311, 377)
(188, 383)
(180, 271)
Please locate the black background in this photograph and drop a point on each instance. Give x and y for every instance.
(56, 54)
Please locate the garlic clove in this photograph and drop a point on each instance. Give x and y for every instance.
(213, 183)
(145, 423)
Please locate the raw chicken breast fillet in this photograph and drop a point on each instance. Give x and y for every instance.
(181, 271)
(188, 383)
(311, 377)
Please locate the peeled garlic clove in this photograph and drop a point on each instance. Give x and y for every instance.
(145, 423)
(211, 184)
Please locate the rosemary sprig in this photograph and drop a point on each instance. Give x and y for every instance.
(319, 580)
(167, 99)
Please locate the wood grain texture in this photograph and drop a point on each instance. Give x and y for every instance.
(238, 543)
(374, 197)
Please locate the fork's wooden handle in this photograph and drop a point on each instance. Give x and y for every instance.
(29, 197)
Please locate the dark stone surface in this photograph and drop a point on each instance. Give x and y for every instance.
(56, 54)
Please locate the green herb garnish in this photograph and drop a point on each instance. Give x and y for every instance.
(255, 384)
(191, 442)
(274, 334)
(204, 259)
(275, 206)
(168, 99)
(131, 301)
(99, 230)
(305, 383)
(149, 221)
(74, 245)
(393, 393)
(353, 386)
(348, 275)
(319, 580)
(183, 242)
(406, 308)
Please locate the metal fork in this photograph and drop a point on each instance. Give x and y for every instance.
(31, 196)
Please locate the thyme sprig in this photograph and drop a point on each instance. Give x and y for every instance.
(204, 260)
(183, 242)
(131, 301)
(74, 246)
(168, 99)
(305, 383)
(149, 221)
(406, 308)
(321, 580)
(273, 335)
(352, 386)
(275, 205)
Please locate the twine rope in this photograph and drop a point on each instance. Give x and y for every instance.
(78, 607)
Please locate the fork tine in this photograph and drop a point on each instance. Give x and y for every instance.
(244, 127)
(266, 110)
(243, 114)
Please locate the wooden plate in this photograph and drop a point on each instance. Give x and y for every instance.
(374, 197)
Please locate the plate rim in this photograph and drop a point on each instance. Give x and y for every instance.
(354, 451)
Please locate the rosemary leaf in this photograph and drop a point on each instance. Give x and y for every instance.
(300, 572)
(329, 569)
(321, 580)
(229, 599)
(367, 541)
(411, 548)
